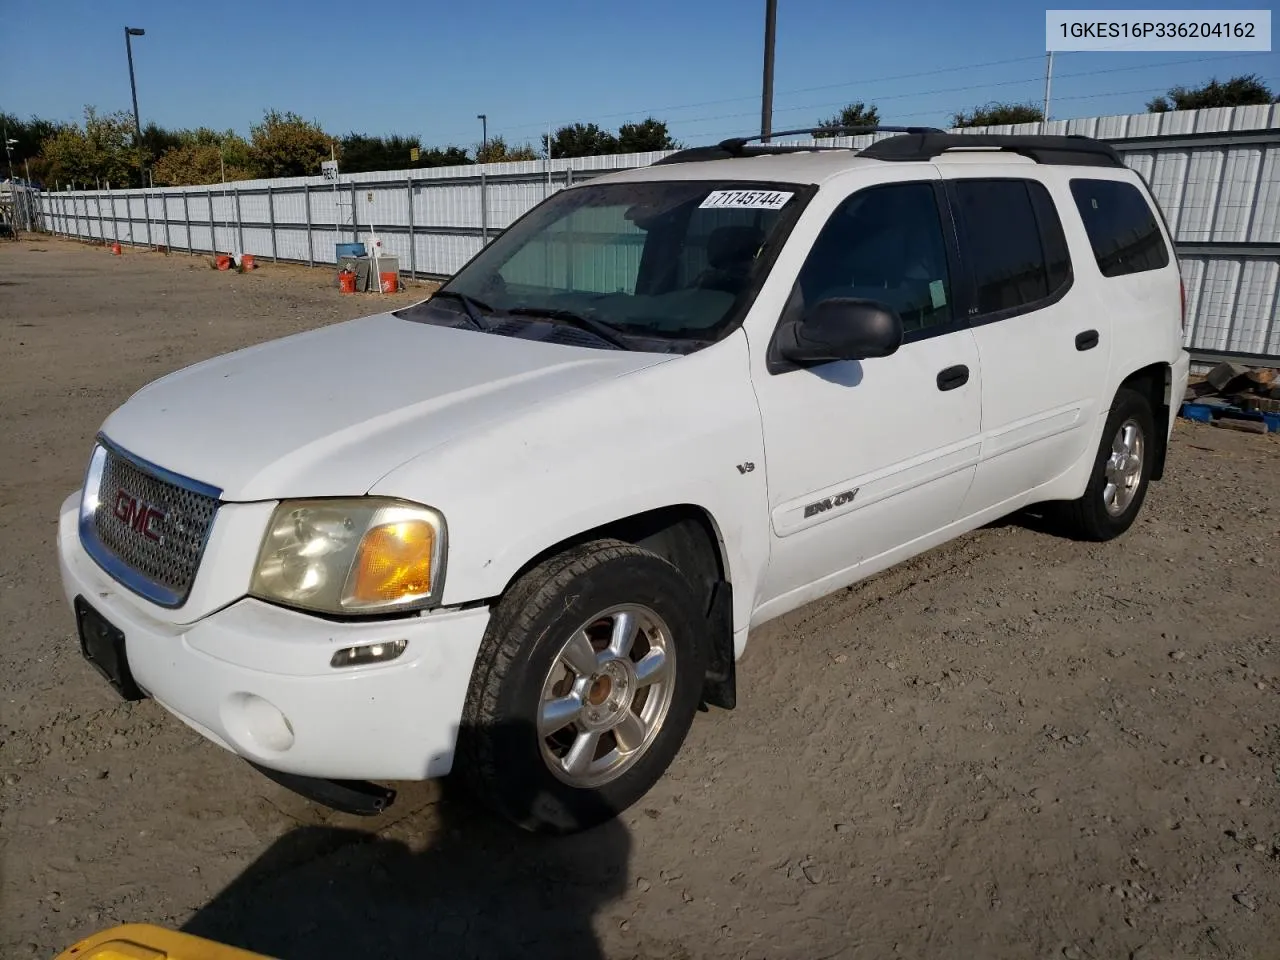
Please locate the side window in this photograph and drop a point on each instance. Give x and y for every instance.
(1121, 226)
(1057, 258)
(886, 244)
(1011, 234)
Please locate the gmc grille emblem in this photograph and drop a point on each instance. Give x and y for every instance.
(144, 518)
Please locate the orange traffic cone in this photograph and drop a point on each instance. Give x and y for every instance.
(115, 248)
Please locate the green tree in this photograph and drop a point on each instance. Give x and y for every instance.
(101, 150)
(156, 141)
(853, 115)
(361, 152)
(497, 151)
(998, 114)
(1241, 91)
(205, 156)
(444, 157)
(285, 145)
(581, 140)
(648, 134)
(30, 134)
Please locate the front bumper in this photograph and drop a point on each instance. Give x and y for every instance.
(255, 678)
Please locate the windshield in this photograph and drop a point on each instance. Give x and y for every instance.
(664, 260)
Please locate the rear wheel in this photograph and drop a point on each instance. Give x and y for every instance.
(585, 686)
(1121, 472)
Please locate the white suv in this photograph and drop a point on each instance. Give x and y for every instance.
(523, 529)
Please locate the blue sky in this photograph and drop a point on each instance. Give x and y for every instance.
(428, 67)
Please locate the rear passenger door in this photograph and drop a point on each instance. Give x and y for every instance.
(1044, 358)
(1133, 272)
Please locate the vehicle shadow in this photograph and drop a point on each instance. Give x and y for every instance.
(480, 888)
(1037, 519)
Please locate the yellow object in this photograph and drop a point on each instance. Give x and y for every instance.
(142, 941)
(394, 562)
(413, 154)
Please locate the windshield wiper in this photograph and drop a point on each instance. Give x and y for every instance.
(605, 331)
(471, 306)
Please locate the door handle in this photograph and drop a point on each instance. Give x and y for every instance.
(953, 377)
(1087, 340)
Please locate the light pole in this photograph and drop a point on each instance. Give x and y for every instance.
(484, 185)
(1048, 88)
(129, 34)
(766, 96)
(8, 149)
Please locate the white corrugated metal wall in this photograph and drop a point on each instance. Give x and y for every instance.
(1216, 173)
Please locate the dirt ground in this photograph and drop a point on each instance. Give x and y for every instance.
(1013, 746)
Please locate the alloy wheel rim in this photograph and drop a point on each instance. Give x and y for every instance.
(1123, 469)
(606, 696)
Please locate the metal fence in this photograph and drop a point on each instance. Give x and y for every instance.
(1216, 173)
(18, 208)
(432, 220)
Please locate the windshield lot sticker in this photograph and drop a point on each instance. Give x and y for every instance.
(746, 200)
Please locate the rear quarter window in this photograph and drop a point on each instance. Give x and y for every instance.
(1122, 227)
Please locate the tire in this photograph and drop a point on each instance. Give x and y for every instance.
(1116, 490)
(512, 755)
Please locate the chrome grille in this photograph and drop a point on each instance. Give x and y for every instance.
(155, 527)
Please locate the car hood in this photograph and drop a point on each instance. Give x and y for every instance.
(329, 412)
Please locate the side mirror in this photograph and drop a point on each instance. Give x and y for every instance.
(842, 328)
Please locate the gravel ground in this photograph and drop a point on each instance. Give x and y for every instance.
(1013, 746)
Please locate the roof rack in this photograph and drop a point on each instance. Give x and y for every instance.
(737, 143)
(1071, 150)
(739, 146)
(918, 143)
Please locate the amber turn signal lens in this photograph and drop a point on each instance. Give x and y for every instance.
(394, 562)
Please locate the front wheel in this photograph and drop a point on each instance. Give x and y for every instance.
(585, 686)
(1121, 472)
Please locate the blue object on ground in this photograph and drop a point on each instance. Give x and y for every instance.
(1199, 412)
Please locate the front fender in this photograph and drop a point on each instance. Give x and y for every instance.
(683, 432)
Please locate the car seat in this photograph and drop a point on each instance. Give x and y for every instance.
(731, 252)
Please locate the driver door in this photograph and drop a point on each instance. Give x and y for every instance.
(869, 460)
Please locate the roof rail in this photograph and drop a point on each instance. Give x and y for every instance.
(739, 146)
(737, 143)
(1072, 150)
(918, 143)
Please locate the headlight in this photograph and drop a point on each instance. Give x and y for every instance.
(351, 556)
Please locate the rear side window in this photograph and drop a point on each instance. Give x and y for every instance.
(1057, 259)
(1121, 225)
(1013, 240)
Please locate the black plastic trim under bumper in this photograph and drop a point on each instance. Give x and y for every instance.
(359, 797)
